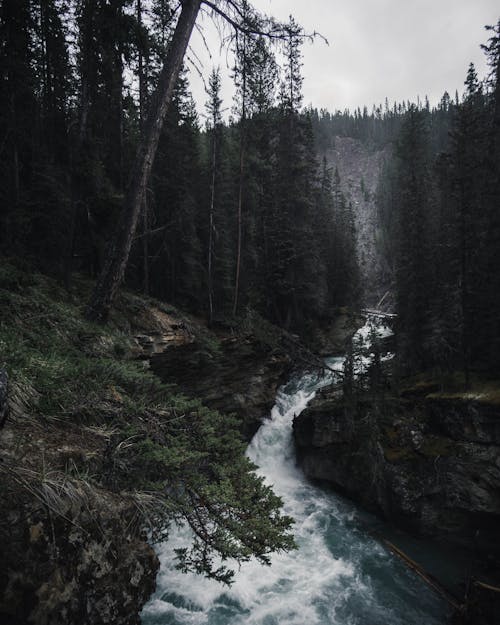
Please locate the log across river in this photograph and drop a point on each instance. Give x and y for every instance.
(339, 575)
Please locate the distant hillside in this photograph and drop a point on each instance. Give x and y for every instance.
(359, 168)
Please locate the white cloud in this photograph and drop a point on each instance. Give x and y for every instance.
(382, 48)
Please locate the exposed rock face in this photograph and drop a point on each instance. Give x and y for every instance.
(71, 552)
(241, 375)
(155, 331)
(360, 168)
(84, 568)
(429, 463)
(334, 337)
(232, 374)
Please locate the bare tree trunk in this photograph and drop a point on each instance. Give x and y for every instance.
(142, 68)
(145, 246)
(238, 253)
(464, 295)
(75, 155)
(17, 183)
(142, 71)
(75, 150)
(240, 190)
(15, 148)
(211, 228)
(119, 248)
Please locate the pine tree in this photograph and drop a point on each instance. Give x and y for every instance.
(468, 188)
(18, 112)
(119, 250)
(241, 73)
(143, 52)
(213, 107)
(291, 92)
(491, 326)
(414, 200)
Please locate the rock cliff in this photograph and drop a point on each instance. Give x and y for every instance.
(360, 167)
(425, 460)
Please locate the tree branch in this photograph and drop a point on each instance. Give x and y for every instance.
(277, 31)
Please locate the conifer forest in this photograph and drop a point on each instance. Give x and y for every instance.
(249, 347)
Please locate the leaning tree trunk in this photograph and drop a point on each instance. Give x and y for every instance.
(143, 88)
(119, 248)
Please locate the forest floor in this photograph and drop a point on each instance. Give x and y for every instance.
(90, 432)
(99, 416)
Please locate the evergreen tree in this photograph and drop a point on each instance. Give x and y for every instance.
(291, 91)
(213, 107)
(414, 201)
(242, 70)
(18, 112)
(491, 245)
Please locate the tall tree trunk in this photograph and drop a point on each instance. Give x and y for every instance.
(15, 147)
(119, 248)
(142, 72)
(211, 228)
(145, 246)
(464, 295)
(240, 189)
(238, 251)
(76, 145)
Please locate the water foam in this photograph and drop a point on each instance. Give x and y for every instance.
(338, 575)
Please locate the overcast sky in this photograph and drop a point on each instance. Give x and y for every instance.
(378, 48)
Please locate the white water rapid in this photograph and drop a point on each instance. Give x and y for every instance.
(339, 575)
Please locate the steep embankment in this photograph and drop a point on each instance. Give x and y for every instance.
(426, 459)
(96, 450)
(359, 167)
(241, 375)
(431, 463)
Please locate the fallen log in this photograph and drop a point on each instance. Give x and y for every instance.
(427, 578)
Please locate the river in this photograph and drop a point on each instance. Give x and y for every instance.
(339, 575)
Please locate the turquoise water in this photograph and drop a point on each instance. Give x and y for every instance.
(339, 575)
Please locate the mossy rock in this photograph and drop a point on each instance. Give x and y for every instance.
(420, 389)
(398, 455)
(486, 394)
(434, 446)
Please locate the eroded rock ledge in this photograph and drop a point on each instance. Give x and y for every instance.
(241, 376)
(427, 461)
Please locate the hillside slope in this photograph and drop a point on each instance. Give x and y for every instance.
(98, 455)
(359, 169)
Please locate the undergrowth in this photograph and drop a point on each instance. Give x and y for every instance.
(110, 423)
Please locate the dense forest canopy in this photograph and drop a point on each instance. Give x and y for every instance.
(439, 203)
(244, 213)
(230, 210)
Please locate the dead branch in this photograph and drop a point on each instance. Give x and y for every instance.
(276, 31)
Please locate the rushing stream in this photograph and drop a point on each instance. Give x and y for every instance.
(339, 575)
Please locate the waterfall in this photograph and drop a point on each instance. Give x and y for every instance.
(339, 575)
